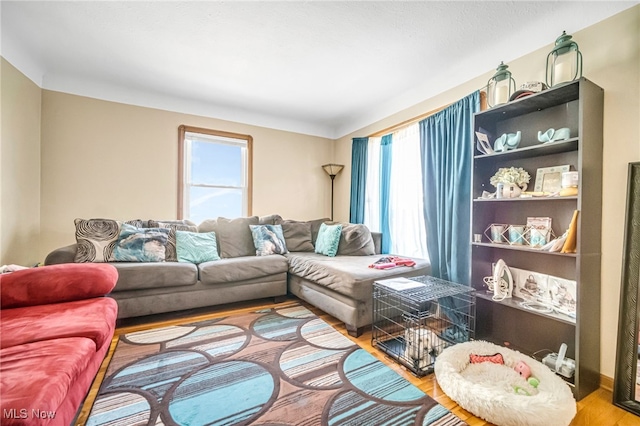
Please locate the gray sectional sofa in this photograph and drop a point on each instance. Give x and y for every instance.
(340, 285)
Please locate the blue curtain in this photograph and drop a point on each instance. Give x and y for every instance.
(446, 145)
(385, 185)
(359, 147)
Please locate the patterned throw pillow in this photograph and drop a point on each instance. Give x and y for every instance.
(328, 239)
(96, 239)
(268, 239)
(141, 244)
(196, 247)
(173, 226)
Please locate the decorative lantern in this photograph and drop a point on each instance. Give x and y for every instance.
(564, 62)
(500, 86)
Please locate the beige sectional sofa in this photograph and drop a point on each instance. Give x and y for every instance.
(340, 285)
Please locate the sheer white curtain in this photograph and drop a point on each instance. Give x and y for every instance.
(372, 190)
(408, 234)
(406, 216)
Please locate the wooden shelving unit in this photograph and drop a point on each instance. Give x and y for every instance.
(577, 105)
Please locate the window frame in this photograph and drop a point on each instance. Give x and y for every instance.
(182, 157)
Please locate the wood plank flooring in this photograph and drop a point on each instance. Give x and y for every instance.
(594, 410)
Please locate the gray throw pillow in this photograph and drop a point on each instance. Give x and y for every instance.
(234, 236)
(355, 240)
(272, 219)
(208, 225)
(297, 235)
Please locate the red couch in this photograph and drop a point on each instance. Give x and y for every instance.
(55, 330)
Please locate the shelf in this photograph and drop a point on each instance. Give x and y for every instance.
(506, 246)
(539, 150)
(579, 106)
(514, 303)
(525, 199)
(547, 98)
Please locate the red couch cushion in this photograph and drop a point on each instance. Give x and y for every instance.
(56, 283)
(38, 376)
(93, 318)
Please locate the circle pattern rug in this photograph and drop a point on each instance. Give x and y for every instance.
(281, 366)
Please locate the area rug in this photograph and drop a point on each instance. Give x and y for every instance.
(282, 366)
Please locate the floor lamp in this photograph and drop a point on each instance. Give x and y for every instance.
(332, 170)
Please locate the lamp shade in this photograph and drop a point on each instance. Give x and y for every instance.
(333, 169)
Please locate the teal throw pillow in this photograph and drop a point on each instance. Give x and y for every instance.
(141, 244)
(268, 239)
(328, 239)
(196, 247)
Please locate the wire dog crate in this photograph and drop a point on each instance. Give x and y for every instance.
(415, 319)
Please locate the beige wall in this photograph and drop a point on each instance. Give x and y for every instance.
(19, 168)
(611, 51)
(105, 159)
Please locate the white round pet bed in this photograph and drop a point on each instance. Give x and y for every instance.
(497, 393)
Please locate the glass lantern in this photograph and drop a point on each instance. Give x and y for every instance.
(500, 87)
(564, 62)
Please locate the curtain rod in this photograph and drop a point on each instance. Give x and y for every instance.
(391, 129)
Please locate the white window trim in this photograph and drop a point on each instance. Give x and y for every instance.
(186, 134)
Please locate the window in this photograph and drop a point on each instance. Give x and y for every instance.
(214, 174)
(406, 208)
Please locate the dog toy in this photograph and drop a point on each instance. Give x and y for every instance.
(495, 358)
(523, 369)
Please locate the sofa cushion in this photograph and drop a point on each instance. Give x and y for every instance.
(241, 268)
(133, 276)
(196, 247)
(39, 375)
(233, 235)
(56, 284)
(328, 239)
(93, 319)
(348, 275)
(272, 219)
(268, 239)
(315, 226)
(297, 235)
(173, 226)
(355, 240)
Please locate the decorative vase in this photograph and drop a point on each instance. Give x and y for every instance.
(511, 190)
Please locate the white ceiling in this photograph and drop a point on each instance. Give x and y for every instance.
(315, 67)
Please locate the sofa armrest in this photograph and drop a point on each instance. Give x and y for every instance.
(56, 284)
(377, 241)
(66, 254)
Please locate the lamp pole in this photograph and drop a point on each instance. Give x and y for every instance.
(332, 178)
(332, 170)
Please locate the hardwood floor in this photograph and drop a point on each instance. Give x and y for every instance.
(594, 410)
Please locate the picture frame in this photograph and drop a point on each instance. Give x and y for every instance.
(549, 179)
